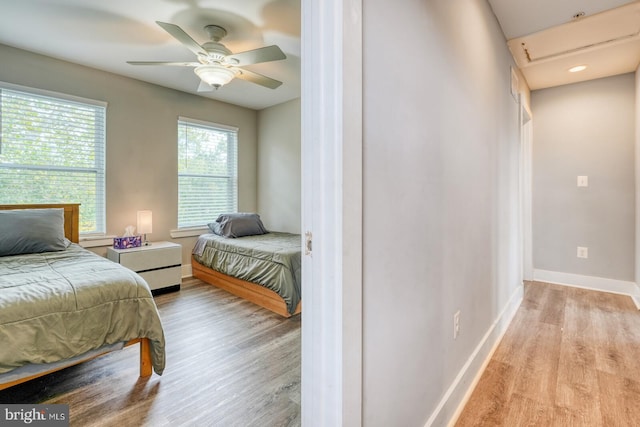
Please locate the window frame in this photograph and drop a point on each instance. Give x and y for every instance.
(187, 230)
(100, 146)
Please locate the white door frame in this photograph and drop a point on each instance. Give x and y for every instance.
(332, 212)
(526, 190)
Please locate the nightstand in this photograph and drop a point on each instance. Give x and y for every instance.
(159, 263)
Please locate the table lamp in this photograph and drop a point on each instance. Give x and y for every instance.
(145, 224)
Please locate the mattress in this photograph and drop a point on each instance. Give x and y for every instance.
(59, 305)
(272, 260)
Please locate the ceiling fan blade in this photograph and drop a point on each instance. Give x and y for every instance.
(184, 38)
(256, 78)
(178, 64)
(256, 56)
(205, 87)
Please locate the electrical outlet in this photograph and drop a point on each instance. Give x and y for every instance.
(456, 324)
(583, 252)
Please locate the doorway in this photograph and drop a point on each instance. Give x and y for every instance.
(526, 190)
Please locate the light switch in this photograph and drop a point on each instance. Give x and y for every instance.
(583, 181)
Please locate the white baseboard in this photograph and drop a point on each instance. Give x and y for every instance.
(186, 270)
(590, 282)
(451, 405)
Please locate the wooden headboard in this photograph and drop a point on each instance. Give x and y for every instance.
(71, 217)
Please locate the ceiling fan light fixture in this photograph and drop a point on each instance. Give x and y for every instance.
(215, 75)
(577, 68)
(217, 65)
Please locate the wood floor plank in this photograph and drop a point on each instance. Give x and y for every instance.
(487, 404)
(618, 333)
(523, 411)
(619, 398)
(536, 378)
(518, 333)
(229, 363)
(533, 295)
(518, 336)
(573, 359)
(553, 306)
(577, 382)
(564, 417)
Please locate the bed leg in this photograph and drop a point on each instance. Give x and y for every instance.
(145, 358)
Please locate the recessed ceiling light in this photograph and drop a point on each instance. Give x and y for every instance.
(577, 68)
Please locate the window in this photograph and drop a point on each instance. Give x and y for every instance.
(52, 151)
(207, 171)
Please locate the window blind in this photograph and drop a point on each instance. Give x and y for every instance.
(52, 150)
(207, 171)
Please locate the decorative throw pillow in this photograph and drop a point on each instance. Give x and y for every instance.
(238, 225)
(28, 231)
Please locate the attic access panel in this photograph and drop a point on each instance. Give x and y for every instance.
(609, 28)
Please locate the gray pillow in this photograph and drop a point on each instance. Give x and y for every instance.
(238, 225)
(29, 231)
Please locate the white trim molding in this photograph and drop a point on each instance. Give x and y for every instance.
(53, 94)
(208, 124)
(636, 298)
(187, 271)
(590, 282)
(332, 212)
(188, 232)
(458, 394)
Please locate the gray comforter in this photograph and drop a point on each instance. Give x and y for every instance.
(57, 305)
(271, 260)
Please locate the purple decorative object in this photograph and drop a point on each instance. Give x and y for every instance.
(127, 242)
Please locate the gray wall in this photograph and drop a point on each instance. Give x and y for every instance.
(585, 129)
(279, 166)
(141, 137)
(441, 147)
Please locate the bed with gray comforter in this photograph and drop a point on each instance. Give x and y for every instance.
(58, 305)
(272, 260)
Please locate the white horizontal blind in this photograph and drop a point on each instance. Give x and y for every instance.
(207, 171)
(52, 150)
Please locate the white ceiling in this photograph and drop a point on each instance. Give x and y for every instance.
(546, 40)
(522, 17)
(104, 34)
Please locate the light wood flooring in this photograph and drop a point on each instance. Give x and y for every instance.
(229, 363)
(571, 357)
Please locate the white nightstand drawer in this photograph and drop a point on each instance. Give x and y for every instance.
(159, 264)
(162, 278)
(150, 259)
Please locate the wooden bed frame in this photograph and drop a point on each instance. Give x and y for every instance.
(257, 294)
(72, 232)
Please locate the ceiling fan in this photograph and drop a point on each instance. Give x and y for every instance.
(216, 64)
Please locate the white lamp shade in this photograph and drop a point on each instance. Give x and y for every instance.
(145, 222)
(215, 75)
